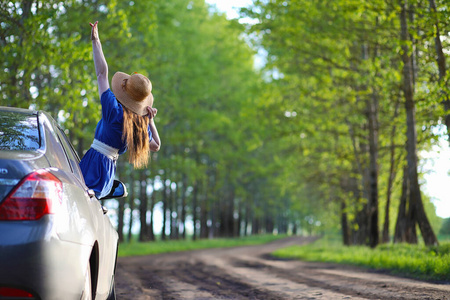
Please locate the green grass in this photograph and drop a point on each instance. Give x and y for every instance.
(416, 261)
(147, 248)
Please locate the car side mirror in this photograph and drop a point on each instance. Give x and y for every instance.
(118, 190)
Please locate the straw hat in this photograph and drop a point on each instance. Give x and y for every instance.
(133, 91)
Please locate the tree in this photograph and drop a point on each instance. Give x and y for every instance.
(339, 59)
(313, 141)
(417, 212)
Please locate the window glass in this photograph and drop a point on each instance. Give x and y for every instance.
(71, 154)
(54, 148)
(18, 131)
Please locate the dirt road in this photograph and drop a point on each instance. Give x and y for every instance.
(250, 273)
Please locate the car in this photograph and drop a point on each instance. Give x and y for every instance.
(56, 239)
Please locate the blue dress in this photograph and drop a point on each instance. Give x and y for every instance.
(99, 170)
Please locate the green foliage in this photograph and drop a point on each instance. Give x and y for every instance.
(329, 64)
(444, 237)
(445, 228)
(418, 261)
(285, 144)
(430, 209)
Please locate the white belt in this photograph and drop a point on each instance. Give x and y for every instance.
(108, 151)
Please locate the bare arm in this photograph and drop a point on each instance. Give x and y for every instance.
(155, 143)
(101, 67)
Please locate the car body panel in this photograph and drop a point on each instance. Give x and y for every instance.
(33, 256)
(49, 256)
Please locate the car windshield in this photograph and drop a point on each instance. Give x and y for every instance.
(18, 131)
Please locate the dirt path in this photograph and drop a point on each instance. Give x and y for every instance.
(250, 273)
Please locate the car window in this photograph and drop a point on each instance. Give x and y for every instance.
(54, 148)
(19, 131)
(71, 154)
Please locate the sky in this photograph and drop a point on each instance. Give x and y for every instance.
(230, 7)
(436, 168)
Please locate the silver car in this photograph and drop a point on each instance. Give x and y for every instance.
(56, 241)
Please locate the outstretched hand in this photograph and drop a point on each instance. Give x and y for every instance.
(94, 32)
(151, 112)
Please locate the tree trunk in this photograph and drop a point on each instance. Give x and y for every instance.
(408, 90)
(360, 235)
(194, 209)
(131, 203)
(344, 224)
(143, 206)
(164, 209)
(411, 217)
(222, 213)
(214, 213)
(392, 174)
(255, 225)
(294, 229)
(226, 212)
(204, 213)
(385, 235)
(183, 206)
(401, 224)
(238, 228)
(176, 210)
(120, 219)
(150, 231)
(373, 171)
(269, 223)
(170, 205)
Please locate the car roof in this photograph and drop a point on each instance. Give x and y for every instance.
(18, 110)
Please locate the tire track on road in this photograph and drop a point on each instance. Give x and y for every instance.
(251, 273)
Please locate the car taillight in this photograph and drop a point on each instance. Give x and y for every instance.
(34, 196)
(13, 292)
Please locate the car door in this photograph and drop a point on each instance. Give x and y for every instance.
(106, 235)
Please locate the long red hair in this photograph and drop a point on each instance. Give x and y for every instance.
(135, 133)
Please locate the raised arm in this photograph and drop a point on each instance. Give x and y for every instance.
(155, 143)
(101, 67)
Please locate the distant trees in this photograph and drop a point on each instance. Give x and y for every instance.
(345, 68)
(326, 135)
(445, 229)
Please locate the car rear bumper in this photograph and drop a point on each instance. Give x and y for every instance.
(33, 258)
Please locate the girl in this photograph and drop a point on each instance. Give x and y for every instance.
(127, 123)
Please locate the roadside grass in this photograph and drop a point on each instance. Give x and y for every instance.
(147, 248)
(416, 261)
(444, 238)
